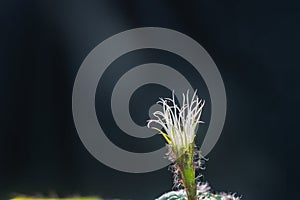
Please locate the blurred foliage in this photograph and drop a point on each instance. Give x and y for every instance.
(71, 198)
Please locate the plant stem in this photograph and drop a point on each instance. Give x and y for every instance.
(187, 170)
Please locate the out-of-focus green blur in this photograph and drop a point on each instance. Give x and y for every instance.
(73, 198)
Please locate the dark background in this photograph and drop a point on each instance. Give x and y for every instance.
(255, 45)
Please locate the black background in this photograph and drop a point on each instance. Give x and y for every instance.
(43, 43)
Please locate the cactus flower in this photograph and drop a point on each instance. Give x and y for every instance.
(179, 130)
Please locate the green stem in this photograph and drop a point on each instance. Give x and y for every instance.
(187, 170)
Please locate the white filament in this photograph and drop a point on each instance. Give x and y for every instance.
(179, 123)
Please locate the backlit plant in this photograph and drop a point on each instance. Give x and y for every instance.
(179, 125)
